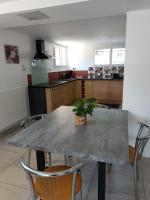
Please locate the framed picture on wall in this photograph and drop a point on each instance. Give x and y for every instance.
(11, 53)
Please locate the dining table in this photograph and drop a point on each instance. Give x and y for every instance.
(103, 139)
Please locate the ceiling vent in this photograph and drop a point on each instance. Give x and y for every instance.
(33, 15)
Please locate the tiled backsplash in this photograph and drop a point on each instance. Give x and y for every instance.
(105, 72)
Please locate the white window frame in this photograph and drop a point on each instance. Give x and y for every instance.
(102, 50)
(110, 57)
(66, 56)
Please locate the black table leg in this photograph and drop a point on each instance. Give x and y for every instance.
(101, 180)
(40, 158)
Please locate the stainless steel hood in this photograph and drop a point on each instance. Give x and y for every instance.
(40, 51)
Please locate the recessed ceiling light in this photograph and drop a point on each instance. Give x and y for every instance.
(33, 15)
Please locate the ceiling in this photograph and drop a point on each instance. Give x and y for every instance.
(12, 6)
(106, 29)
(69, 11)
(71, 20)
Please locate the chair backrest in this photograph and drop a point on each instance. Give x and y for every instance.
(53, 184)
(30, 120)
(141, 139)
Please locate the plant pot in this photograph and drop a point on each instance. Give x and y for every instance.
(80, 120)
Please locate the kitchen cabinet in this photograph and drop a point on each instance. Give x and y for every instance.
(101, 90)
(109, 92)
(65, 94)
(78, 89)
(60, 95)
(48, 102)
(72, 91)
(88, 89)
(46, 99)
(68, 93)
(115, 91)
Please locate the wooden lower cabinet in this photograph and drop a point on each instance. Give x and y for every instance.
(65, 94)
(49, 105)
(88, 89)
(60, 95)
(109, 92)
(101, 91)
(78, 89)
(44, 100)
(115, 92)
(72, 91)
(69, 93)
(54, 97)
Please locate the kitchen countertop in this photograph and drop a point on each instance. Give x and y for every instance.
(63, 81)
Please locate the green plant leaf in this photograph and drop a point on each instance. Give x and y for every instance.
(84, 107)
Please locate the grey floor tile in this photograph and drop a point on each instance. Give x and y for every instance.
(85, 190)
(12, 192)
(120, 196)
(125, 169)
(14, 176)
(3, 166)
(120, 182)
(146, 160)
(9, 157)
(12, 148)
(147, 187)
(145, 168)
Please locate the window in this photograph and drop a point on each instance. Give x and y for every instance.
(102, 57)
(60, 56)
(115, 56)
(118, 56)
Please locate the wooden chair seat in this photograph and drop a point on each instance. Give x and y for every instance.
(132, 152)
(57, 188)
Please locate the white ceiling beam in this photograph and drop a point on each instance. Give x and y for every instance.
(13, 6)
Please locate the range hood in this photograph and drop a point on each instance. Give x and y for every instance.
(40, 51)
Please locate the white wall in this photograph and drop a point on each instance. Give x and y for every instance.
(81, 55)
(13, 92)
(136, 98)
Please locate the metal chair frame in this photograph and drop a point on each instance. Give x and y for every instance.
(140, 144)
(30, 172)
(28, 122)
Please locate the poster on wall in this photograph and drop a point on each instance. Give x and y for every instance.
(11, 53)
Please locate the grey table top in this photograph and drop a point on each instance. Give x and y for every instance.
(104, 138)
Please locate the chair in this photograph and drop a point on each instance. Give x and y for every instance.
(135, 153)
(28, 122)
(58, 182)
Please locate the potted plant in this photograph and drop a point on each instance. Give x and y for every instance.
(82, 108)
